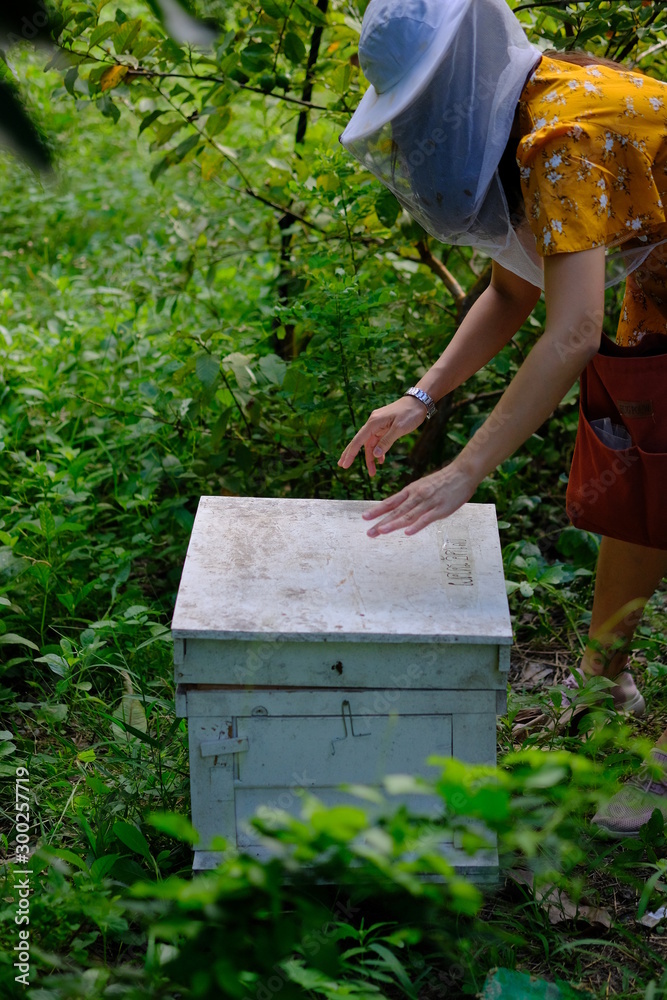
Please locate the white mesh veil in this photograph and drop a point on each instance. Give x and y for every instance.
(446, 76)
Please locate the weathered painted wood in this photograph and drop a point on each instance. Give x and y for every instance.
(474, 737)
(482, 868)
(342, 664)
(338, 751)
(306, 569)
(212, 787)
(250, 802)
(210, 704)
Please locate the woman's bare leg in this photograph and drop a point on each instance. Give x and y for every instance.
(627, 575)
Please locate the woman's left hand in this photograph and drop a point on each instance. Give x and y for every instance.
(426, 500)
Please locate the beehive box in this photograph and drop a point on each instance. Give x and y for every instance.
(308, 655)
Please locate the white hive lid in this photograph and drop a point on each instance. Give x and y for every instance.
(265, 569)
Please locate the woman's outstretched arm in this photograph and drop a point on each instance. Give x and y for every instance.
(574, 294)
(490, 324)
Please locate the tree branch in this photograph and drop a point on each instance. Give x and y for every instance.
(148, 73)
(142, 71)
(439, 269)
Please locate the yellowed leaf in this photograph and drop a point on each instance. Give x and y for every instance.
(112, 77)
(210, 161)
(131, 711)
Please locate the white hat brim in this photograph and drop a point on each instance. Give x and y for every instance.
(375, 110)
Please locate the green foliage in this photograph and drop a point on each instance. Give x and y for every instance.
(359, 920)
(209, 298)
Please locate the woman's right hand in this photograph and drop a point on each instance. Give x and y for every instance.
(383, 427)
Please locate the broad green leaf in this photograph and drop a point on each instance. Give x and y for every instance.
(294, 48)
(273, 9)
(70, 857)
(143, 46)
(174, 825)
(126, 34)
(11, 637)
(52, 713)
(97, 785)
(149, 119)
(102, 32)
(102, 866)
(47, 522)
(58, 664)
(257, 56)
(311, 12)
(108, 108)
(70, 79)
(387, 208)
(342, 822)
(184, 148)
(273, 368)
(159, 168)
(132, 837)
(208, 369)
(165, 131)
(219, 121)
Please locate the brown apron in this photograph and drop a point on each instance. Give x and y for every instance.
(622, 491)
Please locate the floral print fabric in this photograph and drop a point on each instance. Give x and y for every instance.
(593, 164)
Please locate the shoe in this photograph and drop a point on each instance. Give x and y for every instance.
(628, 810)
(625, 694)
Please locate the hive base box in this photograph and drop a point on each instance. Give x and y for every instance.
(308, 655)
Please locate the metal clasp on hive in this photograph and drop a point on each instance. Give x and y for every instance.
(337, 739)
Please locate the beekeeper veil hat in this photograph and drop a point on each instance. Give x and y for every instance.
(446, 76)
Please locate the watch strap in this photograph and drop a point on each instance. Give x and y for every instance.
(424, 398)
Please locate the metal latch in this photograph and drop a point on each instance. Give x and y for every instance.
(338, 739)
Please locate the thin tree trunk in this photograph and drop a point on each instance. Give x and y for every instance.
(287, 347)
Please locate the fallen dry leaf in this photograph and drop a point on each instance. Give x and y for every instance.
(536, 674)
(558, 905)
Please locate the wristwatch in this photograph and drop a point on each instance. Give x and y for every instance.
(424, 398)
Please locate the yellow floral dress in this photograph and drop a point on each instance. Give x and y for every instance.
(593, 164)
